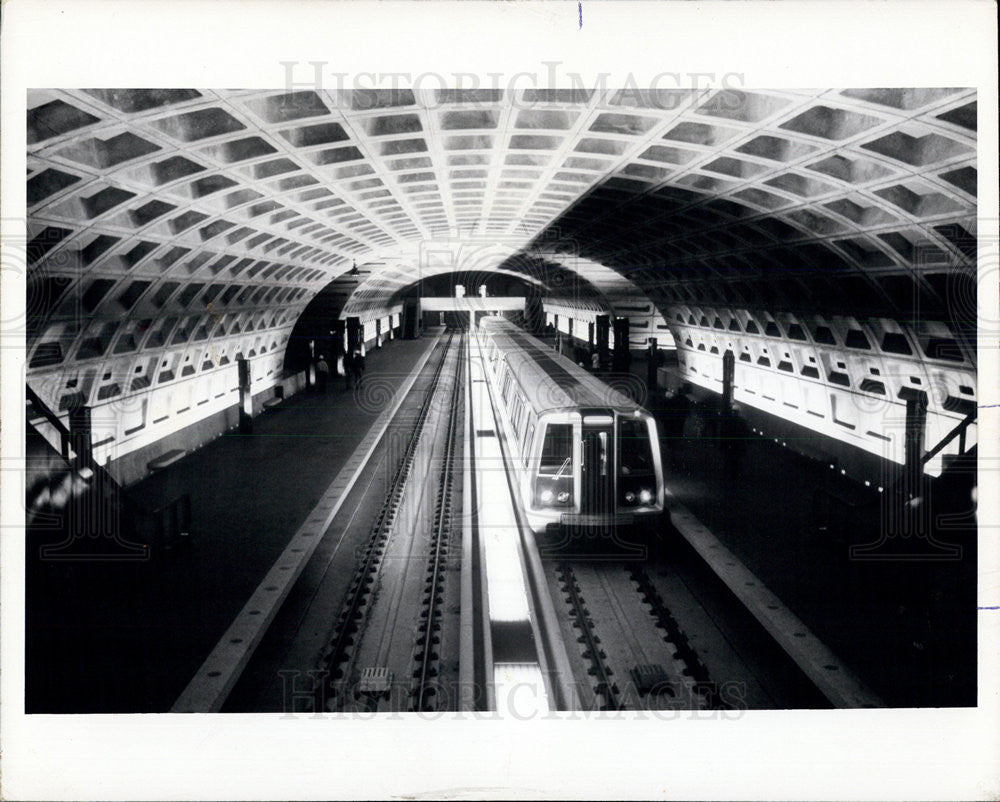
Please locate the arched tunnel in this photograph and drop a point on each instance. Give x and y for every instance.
(806, 261)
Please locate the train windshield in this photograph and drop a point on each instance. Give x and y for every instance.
(634, 454)
(557, 450)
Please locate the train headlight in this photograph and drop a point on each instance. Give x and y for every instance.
(645, 496)
(563, 497)
(630, 497)
(546, 496)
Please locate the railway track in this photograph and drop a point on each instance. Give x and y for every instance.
(379, 621)
(631, 654)
(662, 635)
(425, 696)
(362, 662)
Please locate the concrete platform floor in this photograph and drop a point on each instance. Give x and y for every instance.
(127, 637)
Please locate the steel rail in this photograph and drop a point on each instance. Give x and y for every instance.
(605, 686)
(361, 586)
(423, 691)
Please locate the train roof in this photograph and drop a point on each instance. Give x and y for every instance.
(549, 380)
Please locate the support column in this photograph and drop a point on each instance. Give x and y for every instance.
(728, 374)
(652, 363)
(622, 356)
(411, 319)
(354, 334)
(81, 433)
(337, 348)
(590, 335)
(378, 332)
(246, 396)
(603, 329)
(916, 422)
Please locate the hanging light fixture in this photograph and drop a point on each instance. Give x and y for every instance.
(354, 268)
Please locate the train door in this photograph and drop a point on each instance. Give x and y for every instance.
(597, 465)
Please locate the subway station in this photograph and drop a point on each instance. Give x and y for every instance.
(581, 400)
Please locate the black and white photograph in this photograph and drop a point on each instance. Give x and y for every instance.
(423, 402)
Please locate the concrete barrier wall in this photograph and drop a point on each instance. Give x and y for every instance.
(133, 466)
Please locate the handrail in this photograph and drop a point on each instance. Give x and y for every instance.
(177, 509)
(46, 413)
(51, 417)
(958, 430)
(84, 456)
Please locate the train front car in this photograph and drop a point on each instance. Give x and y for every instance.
(594, 468)
(587, 456)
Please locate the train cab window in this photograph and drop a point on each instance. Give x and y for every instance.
(634, 454)
(557, 450)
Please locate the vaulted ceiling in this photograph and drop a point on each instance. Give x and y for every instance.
(171, 218)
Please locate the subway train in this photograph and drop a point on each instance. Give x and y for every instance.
(585, 455)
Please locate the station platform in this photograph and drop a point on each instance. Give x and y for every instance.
(128, 636)
(906, 626)
(156, 621)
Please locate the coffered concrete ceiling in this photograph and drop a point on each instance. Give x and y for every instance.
(166, 218)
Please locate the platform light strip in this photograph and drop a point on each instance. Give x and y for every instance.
(519, 688)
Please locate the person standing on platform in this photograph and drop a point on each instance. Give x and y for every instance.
(358, 366)
(595, 361)
(322, 373)
(676, 409)
(348, 369)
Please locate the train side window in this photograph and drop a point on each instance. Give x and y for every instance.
(505, 391)
(634, 454)
(527, 443)
(557, 450)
